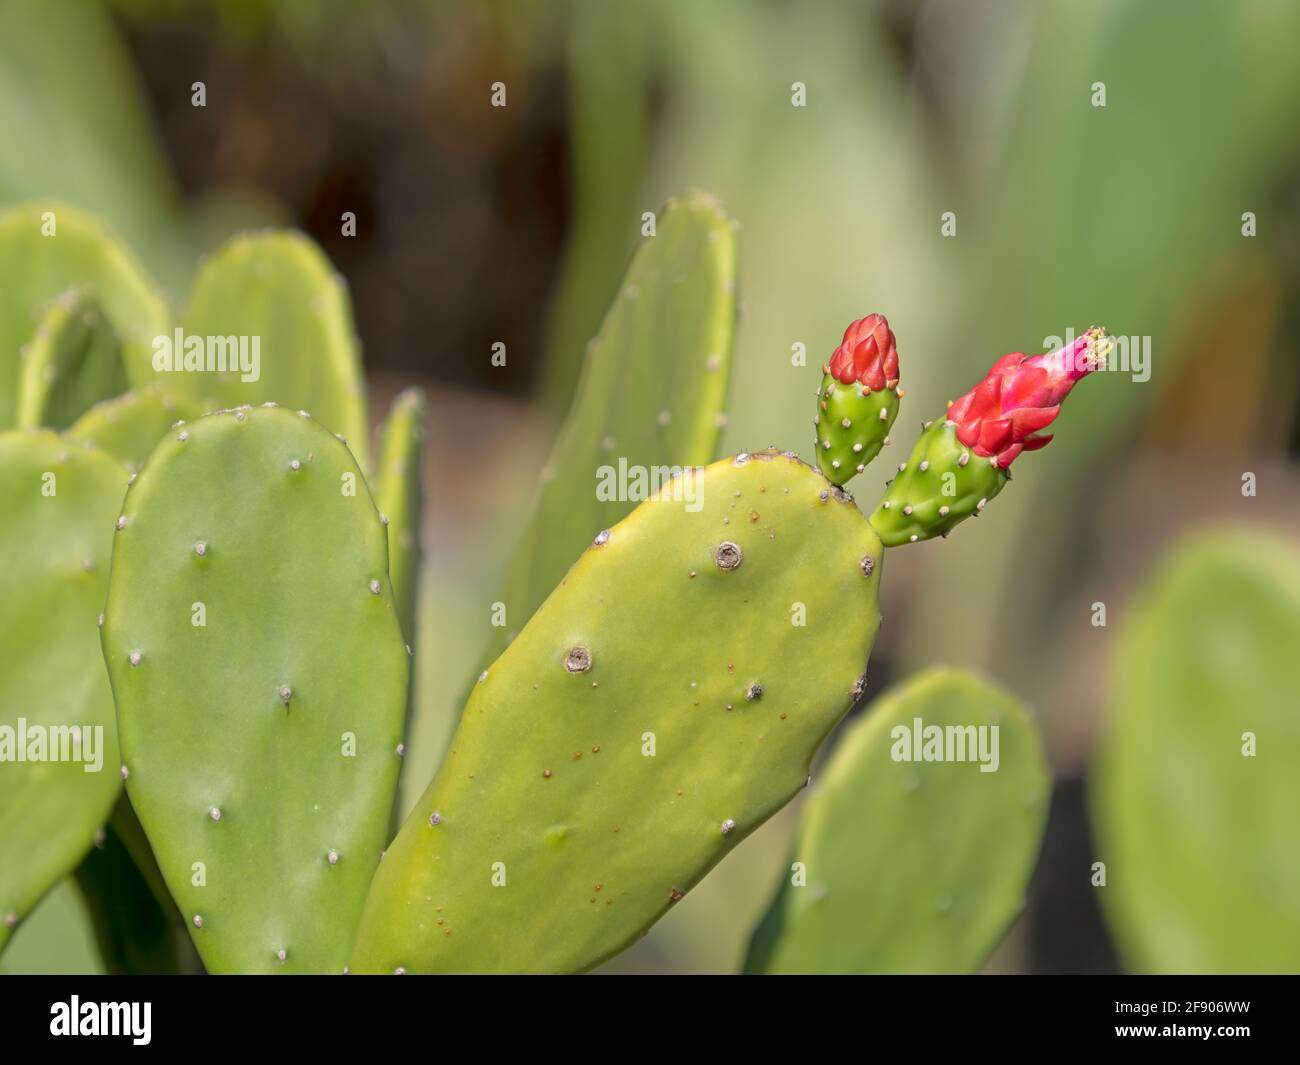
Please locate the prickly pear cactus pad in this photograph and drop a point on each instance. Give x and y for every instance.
(130, 425)
(276, 295)
(858, 399)
(1194, 791)
(46, 249)
(72, 362)
(400, 495)
(260, 677)
(909, 865)
(651, 397)
(59, 502)
(664, 701)
(964, 459)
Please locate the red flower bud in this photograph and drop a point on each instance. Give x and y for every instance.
(867, 355)
(1000, 416)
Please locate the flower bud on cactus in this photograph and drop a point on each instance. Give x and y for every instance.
(962, 461)
(858, 399)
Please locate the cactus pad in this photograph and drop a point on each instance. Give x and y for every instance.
(651, 395)
(130, 425)
(260, 677)
(59, 502)
(1193, 790)
(72, 362)
(912, 866)
(278, 287)
(399, 493)
(35, 268)
(665, 700)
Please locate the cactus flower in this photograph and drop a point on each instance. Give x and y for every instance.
(858, 398)
(868, 355)
(1003, 415)
(961, 461)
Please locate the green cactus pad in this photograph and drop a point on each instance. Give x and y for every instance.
(399, 493)
(36, 268)
(1194, 791)
(912, 866)
(72, 362)
(851, 427)
(651, 395)
(280, 288)
(59, 502)
(942, 483)
(261, 743)
(129, 425)
(731, 637)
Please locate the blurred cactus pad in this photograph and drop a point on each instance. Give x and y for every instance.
(47, 250)
(906, 863)
(651, 397)
(58, 747)
(1194, 791)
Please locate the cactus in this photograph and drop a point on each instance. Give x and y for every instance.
(665, 699)
(258, 667)
(72, 362)
(57, 938)
(46, 249)
(683, 639)
(134, 932)
(926, 861)
(59, 503)
(858, 399)
(963, 460)
(275, 293)
(650, 398)
(1193, 790)
(399, 493)
(130, 425)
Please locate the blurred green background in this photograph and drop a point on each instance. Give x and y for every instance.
(478, 224)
